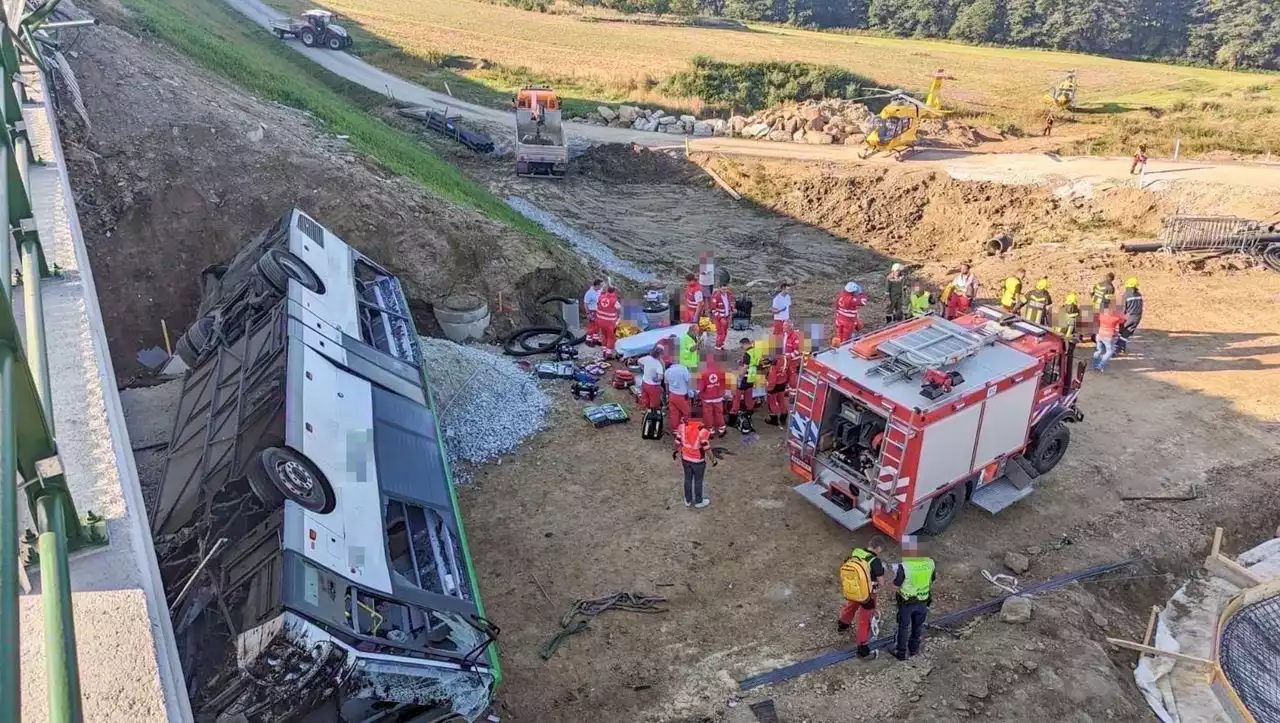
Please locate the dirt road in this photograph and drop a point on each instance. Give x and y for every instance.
(1003, 167)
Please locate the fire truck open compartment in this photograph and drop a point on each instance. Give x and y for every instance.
(307, 535)
(903, 427)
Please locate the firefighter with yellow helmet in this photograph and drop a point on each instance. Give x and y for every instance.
(1069, 321)
(1132, 309)
(1038, 304)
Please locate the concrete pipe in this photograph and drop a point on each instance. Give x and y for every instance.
(463, 316)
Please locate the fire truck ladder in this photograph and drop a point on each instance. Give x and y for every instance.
(940, 344)
(890, 480)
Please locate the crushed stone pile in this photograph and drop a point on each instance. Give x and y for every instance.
(487, 404)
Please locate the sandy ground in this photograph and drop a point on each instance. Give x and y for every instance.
(752, 579)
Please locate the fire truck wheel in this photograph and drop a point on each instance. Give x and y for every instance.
(279, 473)
(943, 512)
(1051, 445)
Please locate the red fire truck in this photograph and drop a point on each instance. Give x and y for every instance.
(904, 425)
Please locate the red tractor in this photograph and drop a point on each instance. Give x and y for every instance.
(315, 29)
(903, 426)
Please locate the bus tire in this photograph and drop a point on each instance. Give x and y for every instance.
(277, 266)
(279, 473)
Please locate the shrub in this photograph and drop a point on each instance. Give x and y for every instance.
(748, 87)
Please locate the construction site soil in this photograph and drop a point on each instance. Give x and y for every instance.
(178, 168)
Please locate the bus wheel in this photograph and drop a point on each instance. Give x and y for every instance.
(279, 473)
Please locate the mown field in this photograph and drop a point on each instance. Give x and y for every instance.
(486, 50)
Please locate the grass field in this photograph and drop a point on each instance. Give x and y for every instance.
(591, 62)
(221, 40)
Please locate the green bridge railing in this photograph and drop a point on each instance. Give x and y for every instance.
(29, 462)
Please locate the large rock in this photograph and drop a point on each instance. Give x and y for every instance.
(702, 129)
(667, 120)
(639, 123)
(779, 136)
(792, 125)
(798, 136)
(809, 112)
(1016, 610)
(756, 130)
(818, 138)
(651, 124)
(737, 123)
(688, 120)
(675, 129)
(817, 124)
(855, 140)
(627, 113)
(719, 126)
(1017, 562)
(607, 113)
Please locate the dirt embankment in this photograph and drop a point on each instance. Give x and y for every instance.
(179, 168)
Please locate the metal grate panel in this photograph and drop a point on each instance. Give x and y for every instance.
(1210, 233)
(1249, 653)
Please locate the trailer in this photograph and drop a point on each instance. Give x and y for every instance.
(316, 28)
(902, 427)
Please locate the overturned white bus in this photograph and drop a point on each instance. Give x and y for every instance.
(306, 525)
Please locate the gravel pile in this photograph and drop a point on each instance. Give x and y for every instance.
(581, 242)
(488, 405)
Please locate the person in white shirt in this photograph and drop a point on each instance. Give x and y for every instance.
(591, 302)
(651, 375)
(679, 407)
(707, 275)
(781, 309)
(964, 290)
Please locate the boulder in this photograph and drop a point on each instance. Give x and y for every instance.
(675, 129)
(606, 112)
(702, 129)
(737, 123)
(780, 136)
(1017, 562)
(639, 123)
(818, 138)
(1016, 610)
(854, 140)
(667, 120)
(792, 125)
(809, 112)
(798, 136)
(627, 113)
(688, 120)
(651, 125)
(756, 130)
(817, 124)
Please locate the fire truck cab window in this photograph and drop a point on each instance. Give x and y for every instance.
(1052, 371)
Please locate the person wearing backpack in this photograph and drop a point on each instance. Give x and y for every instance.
(859, 581)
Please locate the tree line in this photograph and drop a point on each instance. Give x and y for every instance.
(1242, 34)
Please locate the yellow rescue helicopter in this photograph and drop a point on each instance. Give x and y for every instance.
(1063, 95)
(897, 126)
